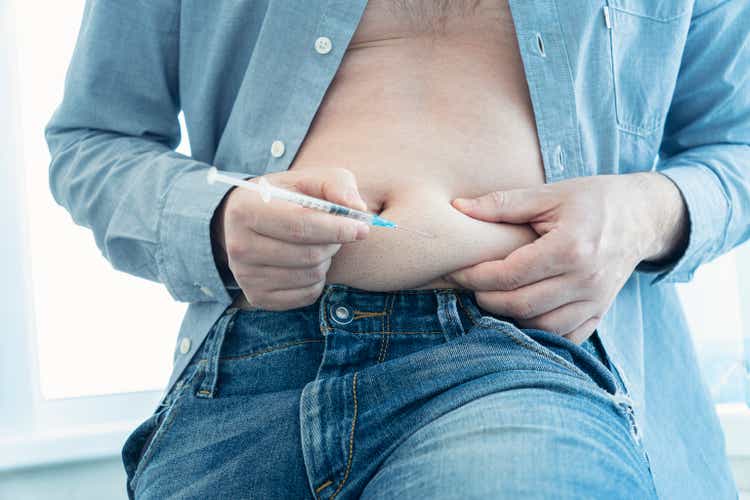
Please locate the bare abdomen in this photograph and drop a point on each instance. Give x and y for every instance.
(420, 122)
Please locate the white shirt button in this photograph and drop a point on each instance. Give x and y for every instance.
(323, 45)
(207, 291)
(277, 149)
(185, 345)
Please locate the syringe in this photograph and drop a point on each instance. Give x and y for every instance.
(267, 191)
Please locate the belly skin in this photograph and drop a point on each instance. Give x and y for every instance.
(421, 118)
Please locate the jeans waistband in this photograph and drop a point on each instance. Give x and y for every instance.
(446, 311)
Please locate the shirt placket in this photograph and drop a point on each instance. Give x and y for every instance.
(549, 77)
(337, 21)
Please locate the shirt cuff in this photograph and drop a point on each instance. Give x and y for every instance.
(185, 256)
(707, 211)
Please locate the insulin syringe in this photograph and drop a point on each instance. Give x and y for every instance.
(268, 192)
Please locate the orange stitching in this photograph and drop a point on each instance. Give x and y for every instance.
(323, 486)
(351, 439)
(470, 314)
(366, 314)
(270, 349)
(380, 332)
(388, 335)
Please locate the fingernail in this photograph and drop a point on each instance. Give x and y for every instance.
(463, 202)
(362, 231)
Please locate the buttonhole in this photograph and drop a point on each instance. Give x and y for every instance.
(540, 45)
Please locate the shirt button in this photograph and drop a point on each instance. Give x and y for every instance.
(277, 149)
(323, 45)
(207, 291)
(185, 345)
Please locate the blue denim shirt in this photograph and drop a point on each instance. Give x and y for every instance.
(617, 86)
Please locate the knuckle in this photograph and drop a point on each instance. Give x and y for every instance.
(311, 294)
(313, 255)
(235, 248)
(316, 273)
(521, 308)
(593, 279)
(345, 233)
(497, 198)
(507, 281)
(579, 251)
(299, 229)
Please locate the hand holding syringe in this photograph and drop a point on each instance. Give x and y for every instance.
(268, 192)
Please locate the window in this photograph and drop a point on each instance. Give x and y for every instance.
(79, 368)
(717, 306)
(98, 331)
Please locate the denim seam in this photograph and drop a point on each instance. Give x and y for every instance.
(216, 338)
(162, 428)
(366, 314)
(323, 486)
(386, 330)
(658, 19)
(279, 347)
(391, 332)
(324, 328)
(533, 346)
(468, 312)
(351, 440)
(423, 291)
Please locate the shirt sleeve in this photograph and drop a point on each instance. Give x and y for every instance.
(112, 139)
(706, 145)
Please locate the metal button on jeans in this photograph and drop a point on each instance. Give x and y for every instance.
(341, 314)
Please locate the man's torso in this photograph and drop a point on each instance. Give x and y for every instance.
(430, 103)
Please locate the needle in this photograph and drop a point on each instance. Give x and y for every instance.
(416, 231)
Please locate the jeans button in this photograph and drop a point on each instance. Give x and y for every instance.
(341, 314)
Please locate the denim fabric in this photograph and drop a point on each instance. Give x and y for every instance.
(410, 394)
(617, 86)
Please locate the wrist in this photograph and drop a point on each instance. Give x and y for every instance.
(218, 245)
(667, 216)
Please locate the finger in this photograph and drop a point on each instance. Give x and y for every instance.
(515, 206)
(259, 249)
(288, 222)
(282, 300)
(533, 300)
(583, 332)
(526, 265)
(338, 185)
(269, 278)
(564, 319)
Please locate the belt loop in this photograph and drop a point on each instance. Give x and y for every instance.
(216, 339)
(448, 315)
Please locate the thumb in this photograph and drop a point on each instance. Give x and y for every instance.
(337, 185)
(516, 206)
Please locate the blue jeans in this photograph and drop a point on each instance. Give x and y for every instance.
(405, 394)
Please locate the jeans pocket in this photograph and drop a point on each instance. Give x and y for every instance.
(552, 348)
